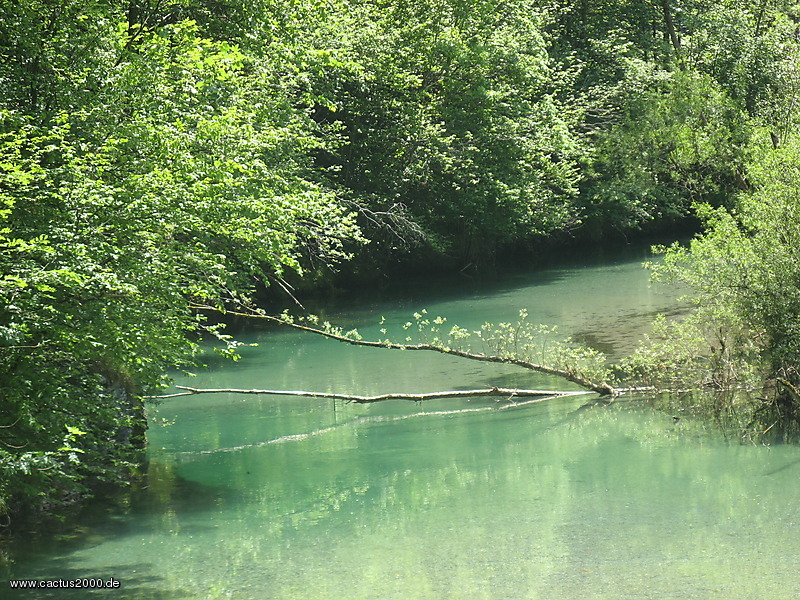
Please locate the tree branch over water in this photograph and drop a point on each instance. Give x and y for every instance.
(572, 375)
(510, 394)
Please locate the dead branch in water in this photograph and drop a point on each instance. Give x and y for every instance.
(510, 394)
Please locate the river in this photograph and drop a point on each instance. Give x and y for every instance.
(254, 497)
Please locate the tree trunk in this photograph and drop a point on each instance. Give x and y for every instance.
(510, 394)
(669, 27)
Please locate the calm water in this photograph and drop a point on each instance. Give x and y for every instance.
(278, 497)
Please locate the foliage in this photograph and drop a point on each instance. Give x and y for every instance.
(751, 51)
(699, 352)
(537, 347)
(444, 111)
(743, 276)
(679, 139)
(180, 179)
(670, 121)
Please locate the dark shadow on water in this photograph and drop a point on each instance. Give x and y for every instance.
(783, 468)
(46, 553)
(134, 583)
(529, 380)
(621, 336)
(349, 306)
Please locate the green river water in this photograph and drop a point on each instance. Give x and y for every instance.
(253, 497)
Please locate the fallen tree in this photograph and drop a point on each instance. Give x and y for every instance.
(509, 393)
(521, 336)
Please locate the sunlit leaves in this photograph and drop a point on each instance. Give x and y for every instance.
(448, 116)
(680, 139)
(743, 277)
(181, 177)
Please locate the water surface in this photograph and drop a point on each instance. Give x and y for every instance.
(278, 497)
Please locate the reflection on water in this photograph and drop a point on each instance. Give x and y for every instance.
(280, 497)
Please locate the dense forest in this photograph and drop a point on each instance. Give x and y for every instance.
(158, 155)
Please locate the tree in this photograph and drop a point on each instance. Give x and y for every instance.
(444, 110)
(180, 177)
(743, 277)
(679, 139)
(751, 50)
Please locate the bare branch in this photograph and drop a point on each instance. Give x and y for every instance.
(493, 391)
(9, 426)
(20, 347)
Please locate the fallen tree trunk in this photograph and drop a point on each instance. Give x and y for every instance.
(601, 388)
(493, 391)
